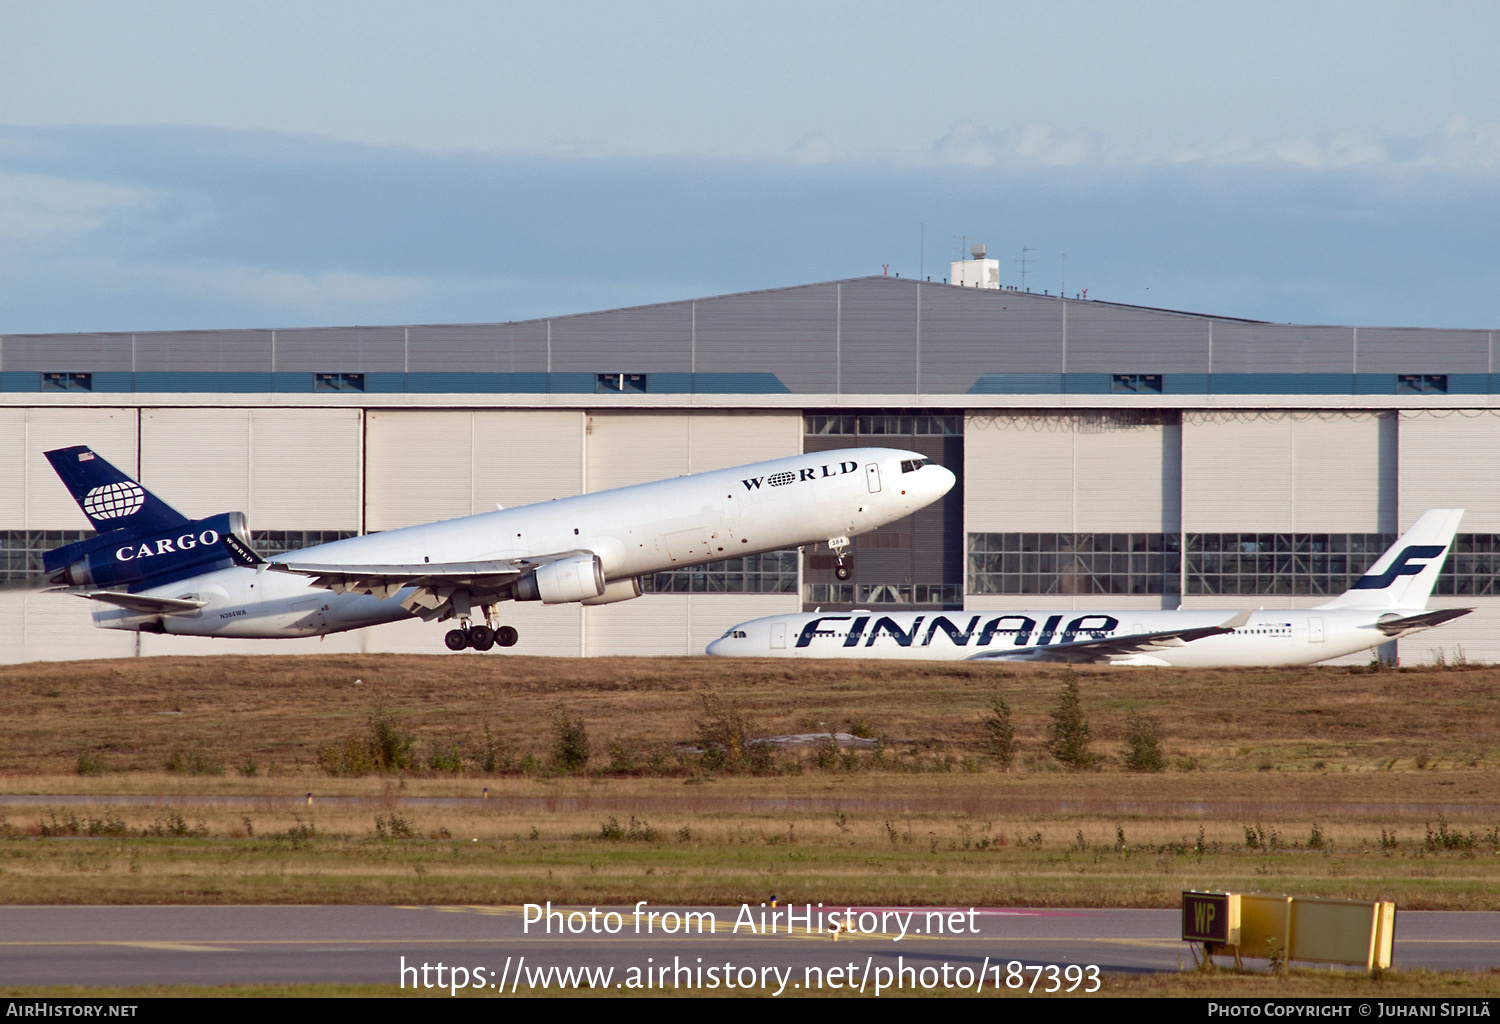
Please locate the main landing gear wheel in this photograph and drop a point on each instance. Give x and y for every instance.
(481, 638)
(456, 639)
(506, 636)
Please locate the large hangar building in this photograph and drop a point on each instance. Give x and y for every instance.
(1108, 455)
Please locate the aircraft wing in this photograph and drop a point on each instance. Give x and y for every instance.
(1109, 648)
(439, 589)
(1394, 625)
(142, 603)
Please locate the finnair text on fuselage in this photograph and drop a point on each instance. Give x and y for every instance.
(1389, 601)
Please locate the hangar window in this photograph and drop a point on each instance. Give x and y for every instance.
(620, 382)
(271, 543)
(338, 382)
(1422, 383)
(1473, 566)
(774, 572)
(21, 550)
(1280, 563)
(884, 424)
(67, 382)
(1141, 383)
(1074, 563)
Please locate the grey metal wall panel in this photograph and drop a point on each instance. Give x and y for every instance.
(791, 333)
(1113, 339)
(66, 353)
(967, 333)
(489, 348)
(651, 339)
(224, 351)
(341, 350)
(1278, 348)
(879, 337)
(1418, 350)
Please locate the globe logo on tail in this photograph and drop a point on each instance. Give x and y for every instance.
(114, 501)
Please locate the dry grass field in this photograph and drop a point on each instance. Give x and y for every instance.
(185, 780)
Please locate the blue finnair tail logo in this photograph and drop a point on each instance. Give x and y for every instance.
(1402, 566)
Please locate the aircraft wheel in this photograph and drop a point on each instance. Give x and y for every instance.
(456, 640)
(843, 572)
(481, 638)
(506, 636)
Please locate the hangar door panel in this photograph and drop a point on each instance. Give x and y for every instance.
(33, 498)
(1018, 474)
(1286, 472)
(722, 440)
(1345, 472)
(1050, 473)
(1128, 475)
(629, 448)
(1451, 459)
(522, 457)
(198, 460)
(1236, 472)
(418, 467)
(305, 469)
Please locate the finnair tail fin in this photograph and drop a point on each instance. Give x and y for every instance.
(1404, 576)
(110, 499)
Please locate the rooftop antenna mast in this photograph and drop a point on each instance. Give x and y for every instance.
(1023, 261)
(1063, 288)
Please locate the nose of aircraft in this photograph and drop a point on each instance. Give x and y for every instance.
(717, 647)
(943, 478)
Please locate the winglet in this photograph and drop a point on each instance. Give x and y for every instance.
(1237, 621)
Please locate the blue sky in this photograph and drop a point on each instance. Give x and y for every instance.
(189, 165)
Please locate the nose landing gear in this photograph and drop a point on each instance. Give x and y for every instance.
(838, 545)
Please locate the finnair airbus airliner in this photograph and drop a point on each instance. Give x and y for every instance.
(1389, 601)
(161, 572)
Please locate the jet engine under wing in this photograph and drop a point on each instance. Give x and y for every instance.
(1081, 651)
(1393, 625)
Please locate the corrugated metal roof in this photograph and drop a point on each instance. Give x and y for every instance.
(869, 335)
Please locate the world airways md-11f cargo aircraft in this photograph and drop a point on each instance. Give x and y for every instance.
(1389, 601)
(160, 572)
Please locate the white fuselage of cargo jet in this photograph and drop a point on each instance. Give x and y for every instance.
(633, 531)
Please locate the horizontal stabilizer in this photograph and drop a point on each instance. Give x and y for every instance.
(1393, 625)
(1108, 648)
(148, 605)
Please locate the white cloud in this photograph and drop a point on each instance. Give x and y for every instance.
(1036, 143)
(1456, 146)
(39, 208)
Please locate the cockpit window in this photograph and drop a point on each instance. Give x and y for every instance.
(912, 465)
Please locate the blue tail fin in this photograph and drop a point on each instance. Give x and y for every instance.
(110, 499)
(143, 542)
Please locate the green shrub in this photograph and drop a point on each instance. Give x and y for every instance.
(1145, 749)
(999, 733)
(1069, 739)
(570, 742)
